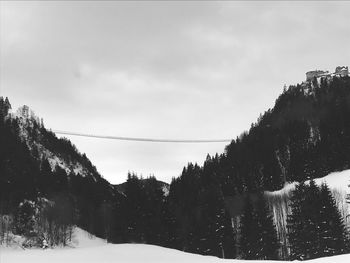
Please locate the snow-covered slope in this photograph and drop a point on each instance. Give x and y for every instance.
(30, 133)
(130, 253)
(339, 181)
(80, 239)
(83, 239)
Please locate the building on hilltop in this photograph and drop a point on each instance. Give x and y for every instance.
(315, 73)
(340, 71)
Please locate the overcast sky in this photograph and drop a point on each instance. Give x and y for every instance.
(177, 70)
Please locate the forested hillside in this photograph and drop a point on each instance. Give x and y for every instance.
(305, 135)
(46, 185)
(218, 208)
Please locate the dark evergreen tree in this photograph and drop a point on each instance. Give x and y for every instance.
(133, 208)
(295, 223)
(304, 222)
(153, 206)
(5, 107)
(315, 224)
(258, 232)
(25, 219)
(268, 242)
(227, 235)
(310, 210)
(249, 233)
(332, 232)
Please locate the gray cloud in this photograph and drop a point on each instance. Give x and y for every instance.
(162, 69)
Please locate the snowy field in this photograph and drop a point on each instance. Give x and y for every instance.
(126, 253)
(86, 249)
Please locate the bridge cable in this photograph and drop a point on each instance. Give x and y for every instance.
(121, 138)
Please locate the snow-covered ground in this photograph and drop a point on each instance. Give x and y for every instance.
(86, 248)
(134, 253)
(339, 181)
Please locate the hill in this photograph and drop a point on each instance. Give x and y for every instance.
(306, 135)
(47, 177)
(47, 186)
(121, 188)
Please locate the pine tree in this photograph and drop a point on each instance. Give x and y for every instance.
(310, 210)
(303, 222)
(332, 229)
(152, 215)
(25, 219)
(1, 108)
(268, 243)
(133, 209)
(227, 237)
(208, 225)
(315, 226)
(258, 232)
(295, 223)
(249, 231)
(7, 106)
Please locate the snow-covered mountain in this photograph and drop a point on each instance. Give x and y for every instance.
(36, 165)
(44, 145)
